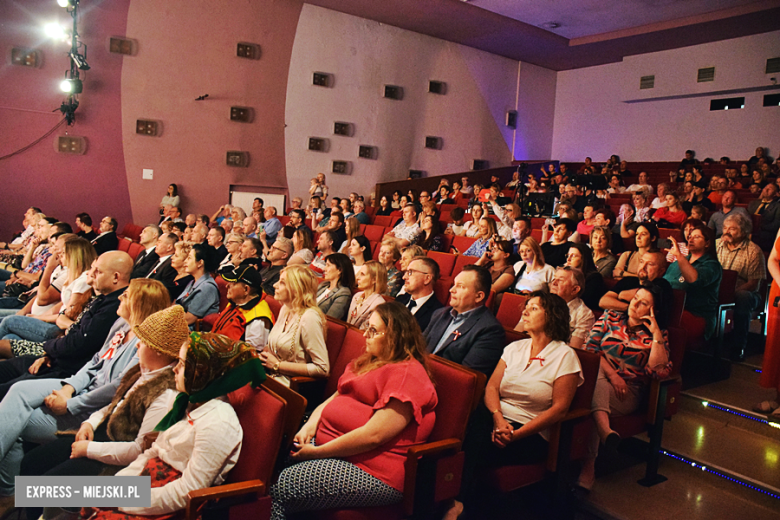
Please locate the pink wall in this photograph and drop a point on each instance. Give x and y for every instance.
(187, 49)
(593, 119)
(62, 185)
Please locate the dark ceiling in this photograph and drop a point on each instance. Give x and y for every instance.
(460, 22)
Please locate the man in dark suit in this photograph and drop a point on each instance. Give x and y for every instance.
(107, 239)
(148, 258)
(163, 271)
(769, 208)
(466, 332)
(419, 298)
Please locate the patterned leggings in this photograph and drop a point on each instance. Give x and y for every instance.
(328, 484)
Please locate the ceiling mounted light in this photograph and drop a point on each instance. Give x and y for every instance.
(79, 60)
(67, 3)
(551, 25)
(72, 86)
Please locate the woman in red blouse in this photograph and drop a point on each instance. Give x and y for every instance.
(672, 215)
(351, 451)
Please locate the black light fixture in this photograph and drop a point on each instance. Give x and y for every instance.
(72, 85)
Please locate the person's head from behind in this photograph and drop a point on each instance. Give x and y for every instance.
(457, 215)
(78, 256)
(652, 265)
(142, 298)
(548, 314)
(698, 212)
(568, 283)
(392, 336)
(338, 267)
(470, 289)
(296, 288)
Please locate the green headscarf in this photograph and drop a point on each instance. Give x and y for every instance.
(215, 365)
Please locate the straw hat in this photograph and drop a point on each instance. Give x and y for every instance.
(164, 331)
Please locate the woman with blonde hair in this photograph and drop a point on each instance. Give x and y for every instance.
(302, 248)
(352, 227)
(77, 258)
(371, 285)
(389, 254)
(233, 245)
(296, 344)
(487, 230)
(531, 273)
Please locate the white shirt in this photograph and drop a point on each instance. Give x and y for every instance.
(57, 280)
(640, 187)
(124, 453)
(537, 280)
(658, 203)
(419, 303)
(581, 319)
(204, 446)
(527, 392)
(77, 286)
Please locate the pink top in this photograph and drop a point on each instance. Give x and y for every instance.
(359, 396)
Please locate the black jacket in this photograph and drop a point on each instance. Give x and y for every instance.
(424, 313)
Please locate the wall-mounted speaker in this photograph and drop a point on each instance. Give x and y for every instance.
(437, 87)
(148, 127)
(322, 79)
(367, 152)
(341, 167)
(393, 92)
(237, 159)
(511, 118)
(340, 128)
(416, 174)
(25, 57)
(242, 114)
(70, 144)
(318, 144)
(249, 51)
(433, 142)
(119, 45)
(480, 164)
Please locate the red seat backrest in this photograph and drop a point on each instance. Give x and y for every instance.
(353, 346)
(262, 417)
(461, 262)
(134, 249)
(511, 308)
(728, 286)
(223, 287)
(274, 305)
(384, 220)
(537, 235)
(446, 262)
(374, 233)
(124, 245)
(459, 389)
(462, 243)
(283, 219)
(337, 331)
(678, 306)
(442, 290)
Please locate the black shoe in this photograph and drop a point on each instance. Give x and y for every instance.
(612, 441)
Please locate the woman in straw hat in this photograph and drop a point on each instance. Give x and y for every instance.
(114, 435)
(296, 345)
(200, 438)
(35, 409)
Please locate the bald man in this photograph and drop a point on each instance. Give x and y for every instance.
(64, 356)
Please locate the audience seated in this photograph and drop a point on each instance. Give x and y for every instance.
(303, 248)
(471, 228)
(384, 404)
(556, 250)
(531, 272)
(84, 225)
(247, 316)
(600, 244)
(277, 257)
(641, 185)
(371, 282)
(634, 346)
(529, 391)
(768, 207)
(107, 239)
(325, 245)
(652, 268)
(736, 252)
(580, 257)
(35, 410)
(672, 215)
(646, 239)
(359, 251)
(201, 296)
(296, 345)
(407, 232)
(163, 270)
(418, 296)
(499, 260)
(148, 258)
(335, 292)
(466, 331)
(431, 238)
(388, 255)
(698, 274)
(728, 199)
(179, 264)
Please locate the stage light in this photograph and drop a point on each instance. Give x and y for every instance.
(72, 86)
(67, 3)
(55, 31)
(79, 60)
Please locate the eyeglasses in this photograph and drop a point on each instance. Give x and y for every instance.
(410, 272)
(371, 333)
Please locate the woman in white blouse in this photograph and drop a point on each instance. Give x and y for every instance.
(531, 273)
(303, 248)
(471, 228)
(530, 390)
(296, 344)
(371, 285)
